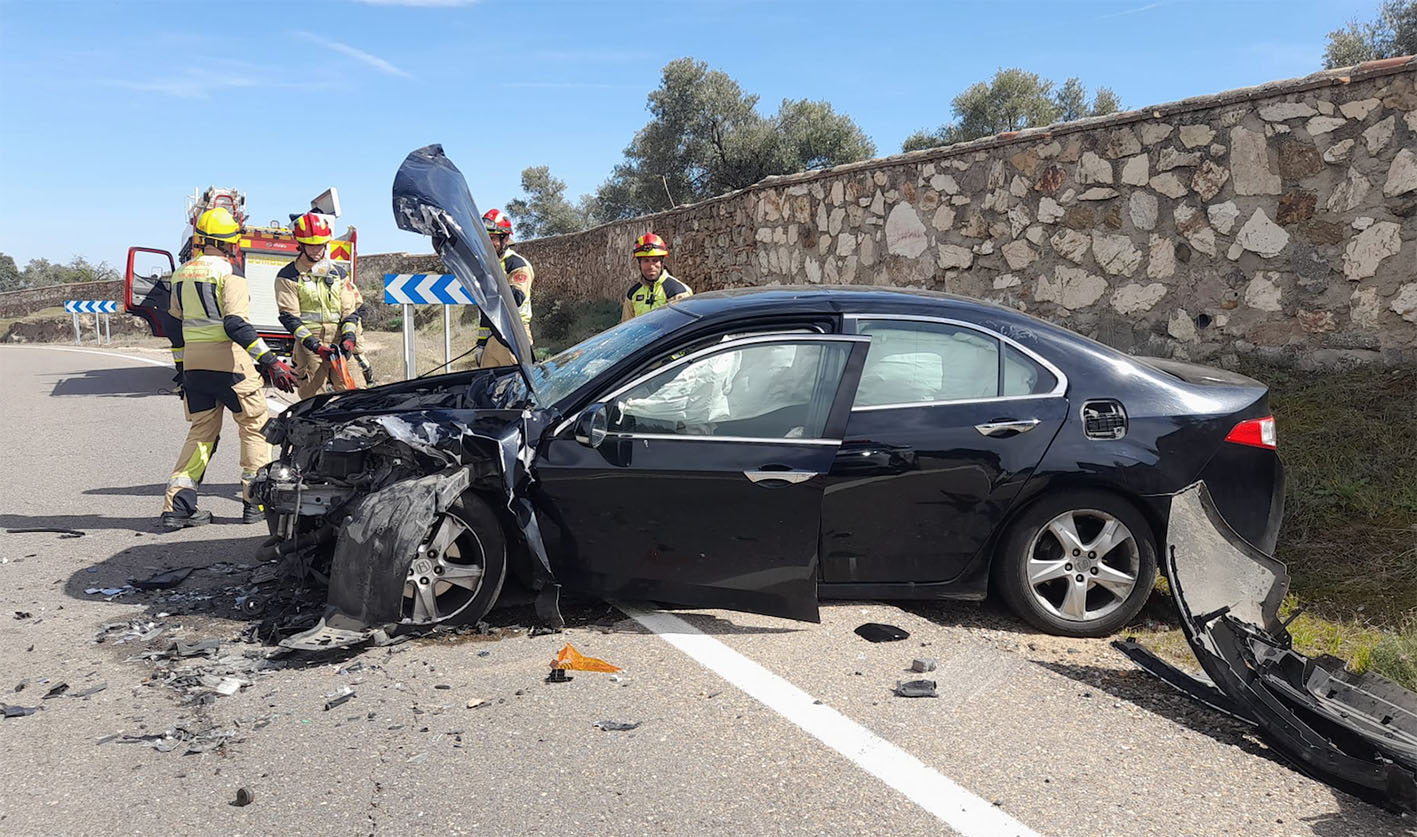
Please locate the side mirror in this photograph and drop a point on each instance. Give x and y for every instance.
(592, 425)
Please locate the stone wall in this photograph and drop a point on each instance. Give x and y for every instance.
(1279, 218)
(20, 303)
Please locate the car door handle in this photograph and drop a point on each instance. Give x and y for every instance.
(781, 476)
(999, 428)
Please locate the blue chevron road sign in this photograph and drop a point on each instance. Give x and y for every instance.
(425, 289)
(91, 306)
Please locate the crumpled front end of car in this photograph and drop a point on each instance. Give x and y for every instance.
(356, 497)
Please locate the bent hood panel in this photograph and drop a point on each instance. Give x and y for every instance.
(431, 197)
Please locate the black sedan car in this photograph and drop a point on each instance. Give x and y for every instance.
(759, 450)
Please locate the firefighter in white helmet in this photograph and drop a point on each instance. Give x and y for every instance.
(221, 352)
(317, 307)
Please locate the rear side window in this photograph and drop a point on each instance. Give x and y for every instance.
(923, 362)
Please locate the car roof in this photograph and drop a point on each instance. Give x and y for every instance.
(791, 299)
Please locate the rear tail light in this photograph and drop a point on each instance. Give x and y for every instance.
(1257, 433)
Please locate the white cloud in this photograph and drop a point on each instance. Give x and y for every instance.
(198, 86)
(353, 52)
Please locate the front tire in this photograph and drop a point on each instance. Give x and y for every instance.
(458, 572)
(1077, 564)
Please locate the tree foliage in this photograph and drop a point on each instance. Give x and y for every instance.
(544, 210)
(706, 137)
(1012, 100)
(40, 273)
(1391, 34)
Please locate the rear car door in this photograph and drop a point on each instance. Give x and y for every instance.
(949, 421)
(706, 489)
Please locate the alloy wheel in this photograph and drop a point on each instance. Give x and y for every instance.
(1082, 565)
(446, 574)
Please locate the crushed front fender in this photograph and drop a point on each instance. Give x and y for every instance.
(1356, 732)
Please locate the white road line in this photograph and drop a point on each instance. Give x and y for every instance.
(961, 810)
(276, 407)
(48, 348)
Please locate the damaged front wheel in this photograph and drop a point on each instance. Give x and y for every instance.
(460, 566)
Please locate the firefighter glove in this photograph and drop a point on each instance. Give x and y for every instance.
(327, 352)
(312, 344)
(347, 346)
(280, 375)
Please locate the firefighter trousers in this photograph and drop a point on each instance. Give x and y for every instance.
(314, 373)
(206, 394)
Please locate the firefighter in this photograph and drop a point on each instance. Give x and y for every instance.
(656, 287)
(317, 306)
(491, 351)
(360, 309)
(211, 300)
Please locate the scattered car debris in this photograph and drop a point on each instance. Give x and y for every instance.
(569, 658)
(134, 630)
(1357, 732)
(559, 675)
(57, 690)
(202, 647)
(877, 632)
(110, 593)
(89, 691)
(338, 697)
(922, 664)
(23, 614)
(63, 533)
(163, 580)
(616, 726)
(915, 689)
(477, 703)
(14, 711)
(243, 798)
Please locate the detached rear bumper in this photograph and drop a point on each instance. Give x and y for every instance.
(1355, 732)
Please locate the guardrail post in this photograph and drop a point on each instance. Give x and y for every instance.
(410, 358)
(78, 340)
(97, 337)
(108, 329)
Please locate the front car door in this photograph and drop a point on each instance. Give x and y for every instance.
(707, 487)
(949, 421)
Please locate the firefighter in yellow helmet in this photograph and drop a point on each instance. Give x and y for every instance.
(220, 355)
(656, 287)
(318, 307)
(491, 351)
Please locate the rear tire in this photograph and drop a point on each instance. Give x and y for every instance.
(458, 572)
(1077, 564)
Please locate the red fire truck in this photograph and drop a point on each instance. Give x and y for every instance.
(147, 284)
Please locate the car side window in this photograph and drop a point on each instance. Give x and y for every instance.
(916, 362)
(1025, 376)
(780, 390)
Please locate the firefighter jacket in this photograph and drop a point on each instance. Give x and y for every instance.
(519, 277)
(213, 303)
(642, 298)
(317, 305)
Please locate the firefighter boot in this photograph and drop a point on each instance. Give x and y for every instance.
(252, 513)
(172, 521)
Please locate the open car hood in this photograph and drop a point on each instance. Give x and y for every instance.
(431, 197)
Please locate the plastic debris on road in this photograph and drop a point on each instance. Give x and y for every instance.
(243, 798)
(876, 632)
(338, 697)
(13, 711)
(922, 664)
(615, 726)
(163, 580)
(570, 658)
(915, 689)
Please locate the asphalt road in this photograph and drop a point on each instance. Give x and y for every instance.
(746, 724)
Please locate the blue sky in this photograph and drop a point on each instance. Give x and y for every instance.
(112, 112)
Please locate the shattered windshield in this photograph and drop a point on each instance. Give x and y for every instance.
(559, 376)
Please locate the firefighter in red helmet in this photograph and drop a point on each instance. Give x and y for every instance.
(317, 307)
(656, 287)
(491, 351)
